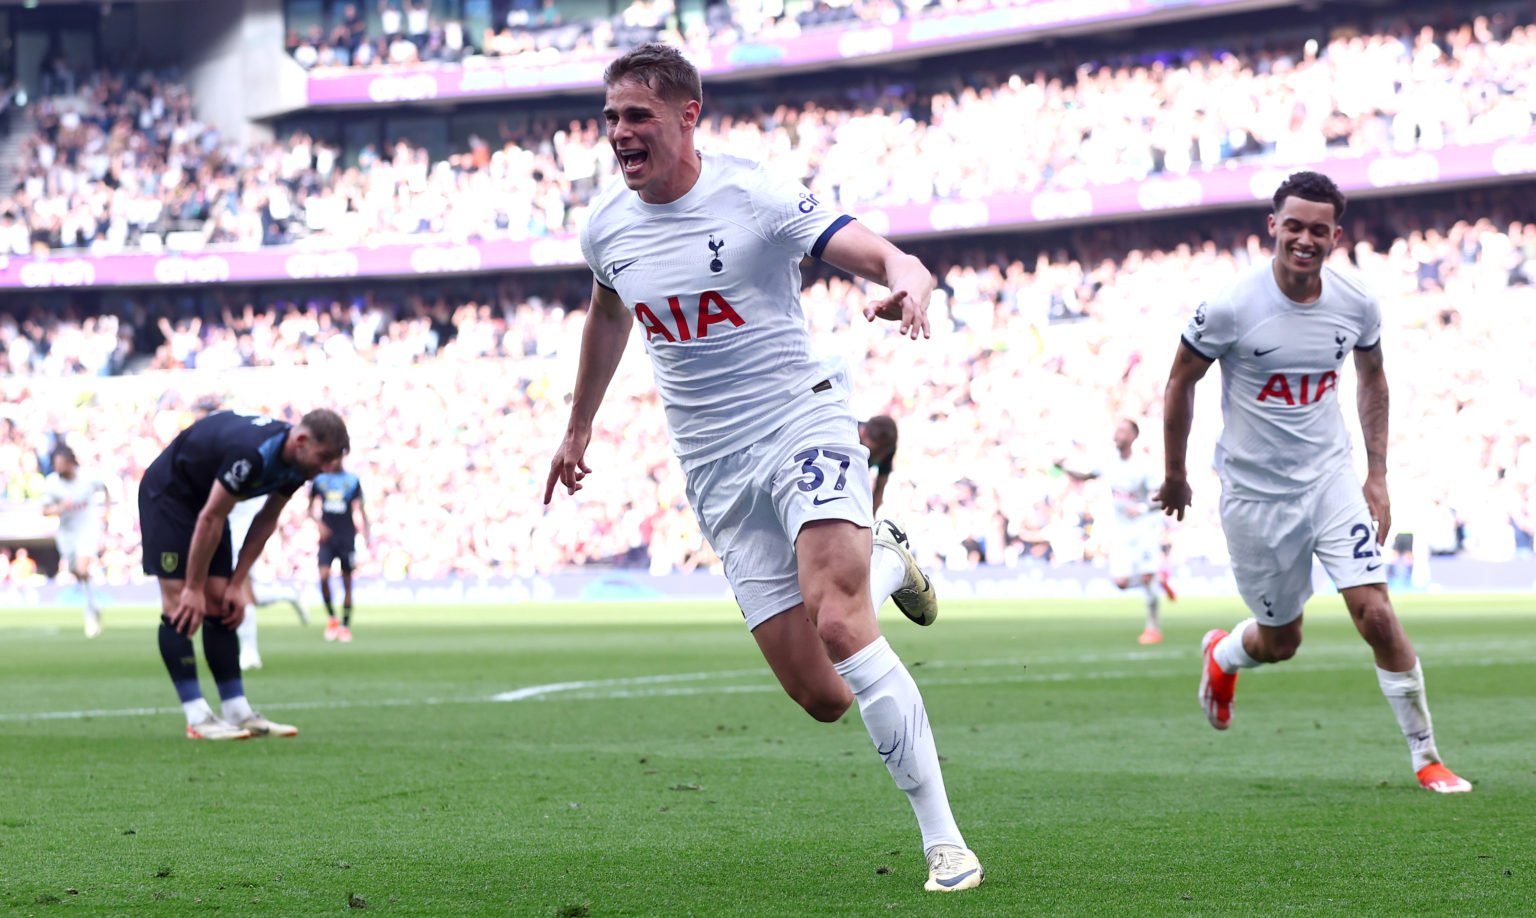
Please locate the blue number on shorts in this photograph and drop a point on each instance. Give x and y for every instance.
(1361, 549)
(809, 468)
(817, 479)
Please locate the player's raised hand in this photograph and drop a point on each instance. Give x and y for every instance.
(569, 466)
(1174, 496)
(900, 307)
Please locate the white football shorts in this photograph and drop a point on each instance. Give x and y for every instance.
(72, 547)
(1134, 552)
(1272, 543)
(752, 503)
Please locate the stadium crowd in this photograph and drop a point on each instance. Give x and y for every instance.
(417, 31)
(456, 404)
(125, 162)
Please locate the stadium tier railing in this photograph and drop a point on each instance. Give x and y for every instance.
(429, 255)
(491, 77)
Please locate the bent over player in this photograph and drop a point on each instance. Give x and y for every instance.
(1288, 489)
(184, 504)
(703, 252)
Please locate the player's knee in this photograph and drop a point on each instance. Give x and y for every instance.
(1377, 621)
(1123, 583)
(838, 632)
(828, 705)
(1279, 645)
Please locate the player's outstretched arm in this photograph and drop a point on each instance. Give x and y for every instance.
(1189, 368)
(602, 345)
(1373, 401)
(858, 250)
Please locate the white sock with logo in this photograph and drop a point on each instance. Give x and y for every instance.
(1154, 619)
(887, 572)
(893, 713)
(1405, 693)
(1230, 653)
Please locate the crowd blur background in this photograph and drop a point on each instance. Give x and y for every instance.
(456, 389)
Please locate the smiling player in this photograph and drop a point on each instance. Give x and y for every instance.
(704, 252)
(1288, 488)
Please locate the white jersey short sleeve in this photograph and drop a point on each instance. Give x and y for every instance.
(80, 492)
(1283, 430)
(1132, 483)
(713, 280)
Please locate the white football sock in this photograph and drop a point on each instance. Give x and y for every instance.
(247, 633)
(1405, 693)
(237, 709)
(1154, 619)
(893, 713)
(887, 572)
(90, 599)
(1230, 653)
(197, 711)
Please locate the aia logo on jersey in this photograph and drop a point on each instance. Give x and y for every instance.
(1279, 388)
(712, 310)
(715, 264)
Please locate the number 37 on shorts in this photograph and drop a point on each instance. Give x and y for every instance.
(836, 478)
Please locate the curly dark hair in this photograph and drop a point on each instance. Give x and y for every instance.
(661, 67)
(1311, 186)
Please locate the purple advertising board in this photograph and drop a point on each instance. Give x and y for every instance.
(506, 77)
(1219, 187)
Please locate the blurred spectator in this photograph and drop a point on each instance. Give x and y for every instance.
(128, 165)
(455, 402)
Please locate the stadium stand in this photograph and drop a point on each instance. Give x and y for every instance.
(457, 383)
(125, 156)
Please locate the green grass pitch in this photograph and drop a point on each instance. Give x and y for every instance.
(643, 762)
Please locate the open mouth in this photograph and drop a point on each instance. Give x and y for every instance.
(1304, 256)
(631, 161)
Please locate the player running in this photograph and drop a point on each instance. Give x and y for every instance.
(1288, 488)
(336, 505)
(1135, 529)
(703, 252)
(71, 496)
(184, 504)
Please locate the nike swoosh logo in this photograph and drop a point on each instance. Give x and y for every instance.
(1256, 351)
(618, 268)
(818, 501)
(955, 880)
(1372, 567)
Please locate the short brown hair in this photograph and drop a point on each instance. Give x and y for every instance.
(661, 67)
(327, 426)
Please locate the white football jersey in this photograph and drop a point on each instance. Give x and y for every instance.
(81, 489)
(713, 279)
(1283, 429)
(1132, 483)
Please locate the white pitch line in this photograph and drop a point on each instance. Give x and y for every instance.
(666, 685)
